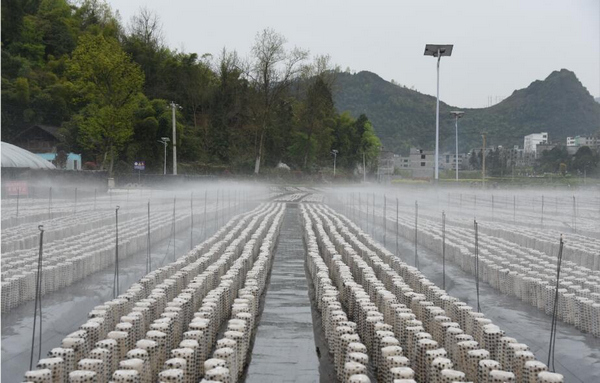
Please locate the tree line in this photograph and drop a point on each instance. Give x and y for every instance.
(499, 162)
(110, 86)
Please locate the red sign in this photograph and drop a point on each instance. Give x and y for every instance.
(17, 188)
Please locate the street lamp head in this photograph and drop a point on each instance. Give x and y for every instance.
(334, 152)
(165, 139)
(442, 49)
(457, 113)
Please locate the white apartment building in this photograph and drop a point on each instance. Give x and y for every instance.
(574, 143)
(531, 141)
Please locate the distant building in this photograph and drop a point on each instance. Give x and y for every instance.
(519, 158)
(574, 143)
(43, 140)
(541, 148)
(39, 139)
(419, 162)
(448, 161)
(73, 160)
(531, 141)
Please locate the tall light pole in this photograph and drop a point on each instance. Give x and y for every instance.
(165, 142)
(334, 152)
(457, 114)
(438, 50)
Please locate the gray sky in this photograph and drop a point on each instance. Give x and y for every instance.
(499, 46)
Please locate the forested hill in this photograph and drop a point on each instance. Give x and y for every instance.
(106, 88)
(403, 117)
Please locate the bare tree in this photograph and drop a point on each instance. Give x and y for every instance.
(322, 68)
(147, 27)
(271, 71)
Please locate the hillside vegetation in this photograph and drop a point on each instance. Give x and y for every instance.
(403, 117)
(109, 85)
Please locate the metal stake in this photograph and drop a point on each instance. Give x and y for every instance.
(116, 276)
(384, 220)
(444, 250)
(174, 229)
(204, 224)
(477, 263)
(397, 228)
(38, 299)
(555, 307)
(149, 254)
(192, 221)
(416, 231)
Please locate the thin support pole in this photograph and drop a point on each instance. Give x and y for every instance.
(416, 232)
(367, 217)
(116, 276)
(397, 226)
(192, 221)
(542, 211)
(443, 250)
(95, 195)
(514, 209)
(174, 229)
(477, 263)
(204, 218)
(574, 214)
(384, 220)
(373, 210)
(217, 211)
(75, 205)
(50, 202)
(550, 363)
(149, 252)
(38, 300)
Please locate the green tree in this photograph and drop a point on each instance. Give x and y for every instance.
(551, 160)
(474, 161)
(110, 84)
(585, 160)
(370, 145)
(316, 120)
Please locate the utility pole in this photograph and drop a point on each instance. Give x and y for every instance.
(457, 114)
(173, 106)
(165, 142)
(334, 152)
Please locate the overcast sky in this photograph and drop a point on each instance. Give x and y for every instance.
(499, 46)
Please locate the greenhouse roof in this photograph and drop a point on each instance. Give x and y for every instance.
(15, 157)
